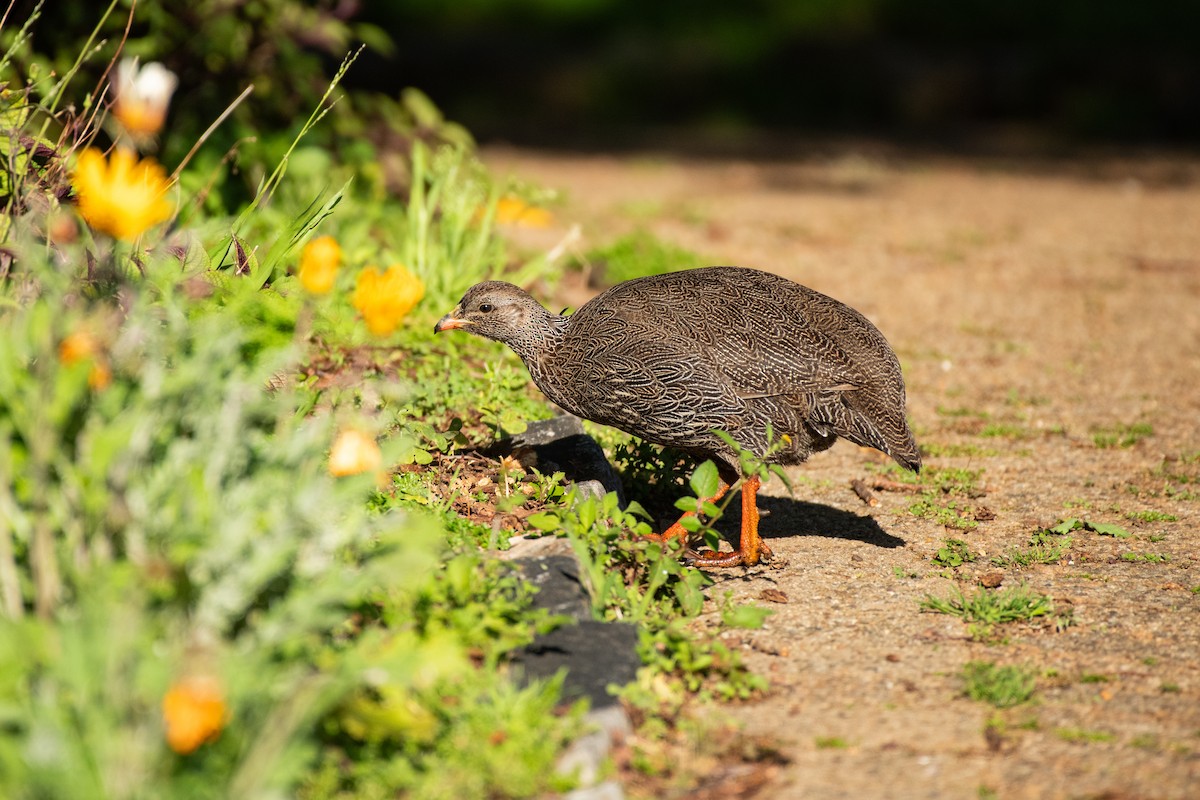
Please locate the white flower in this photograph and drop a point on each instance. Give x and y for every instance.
(143, 96)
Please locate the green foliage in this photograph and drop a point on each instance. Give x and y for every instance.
(986, 606)
(639, 254)
(953, 553)
(1101, 528)
(705, 482)
(949, 514)
(944, 495)
(1083, 736)
(635, 579)
(1005, 430)
(743, 616)
(1145, 558)
(985, 609)
(181, 504)
(653, 476)
(483, 738)
(831, 743)
(169, 510)
(1045, 547)
(1121, 435)
(1001, 686)
(1150, 515)
(282, 48)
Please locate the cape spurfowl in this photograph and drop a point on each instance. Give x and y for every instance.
(673, 358)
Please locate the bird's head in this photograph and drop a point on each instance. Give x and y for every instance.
(497, 310)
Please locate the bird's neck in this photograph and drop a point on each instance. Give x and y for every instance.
(539, 349)
(540, 338)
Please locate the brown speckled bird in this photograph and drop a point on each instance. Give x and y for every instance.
(672, 358)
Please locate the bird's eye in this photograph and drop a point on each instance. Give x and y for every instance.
(485, 307)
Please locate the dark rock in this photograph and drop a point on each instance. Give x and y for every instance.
(557, 580)
(594, 654)
(562, 446)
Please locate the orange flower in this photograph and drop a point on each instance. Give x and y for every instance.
(515, 211)
(194, 712)
(122, 197)
(79, 346)
(385, 298)
(319, 264)
(354, 452)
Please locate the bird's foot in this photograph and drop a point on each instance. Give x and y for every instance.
(711, 559)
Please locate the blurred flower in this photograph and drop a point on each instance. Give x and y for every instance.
(62, 228)
(515, 211)
(79, 346)
(353, 453)
(122, 196)
(194, 712)
(319, 264)
(385, 298)
(142, 95)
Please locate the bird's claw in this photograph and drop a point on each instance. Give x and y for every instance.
(713, 559)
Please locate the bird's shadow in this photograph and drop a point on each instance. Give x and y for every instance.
(783, 517)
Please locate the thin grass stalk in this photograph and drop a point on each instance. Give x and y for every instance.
(210, 130)
(61, 87)
(268, 187)
(10, 583)
(22, 34)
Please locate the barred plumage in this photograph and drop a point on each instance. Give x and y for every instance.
(671, 358)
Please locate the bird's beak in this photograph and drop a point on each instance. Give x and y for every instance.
(450, 321)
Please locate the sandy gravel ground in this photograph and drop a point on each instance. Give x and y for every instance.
(1036, 308)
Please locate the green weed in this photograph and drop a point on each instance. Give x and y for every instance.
(1001, 686)
(949, 514)
(1045, 547)
(959, 412)
(1101, 528)
(1083, 736)
(1150, 515)
(1145, 558)
(1144, 741)
(953, 553)
(173, 517)
(950, 450)
(638, 254)
(831, 743)
(1121, 435)
(1006, 430)
(944, 494)
(985, 609)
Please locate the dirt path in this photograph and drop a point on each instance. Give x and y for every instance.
(1034, 314)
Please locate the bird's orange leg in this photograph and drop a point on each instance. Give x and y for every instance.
(677, 529)
(751, 548)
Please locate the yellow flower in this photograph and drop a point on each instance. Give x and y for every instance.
(79, 346)
(194, 712)
(385, 298)
(515, 211)
(353, 453)
(122, 197)
(319, 264)
(142, 95)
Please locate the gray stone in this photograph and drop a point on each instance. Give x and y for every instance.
(557, 580)
(594, 655)
(609, 790)
(585, 757)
